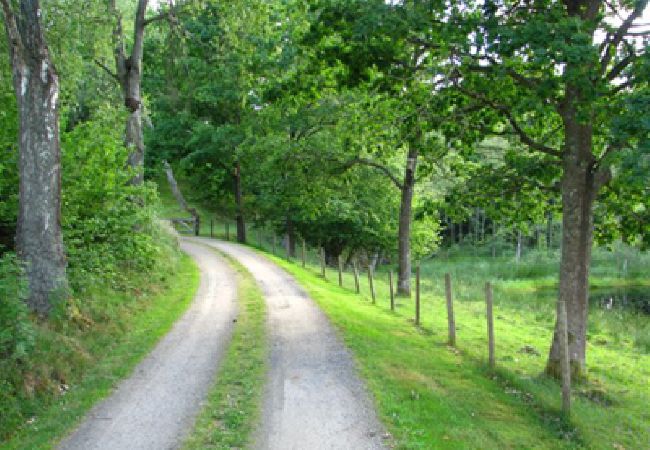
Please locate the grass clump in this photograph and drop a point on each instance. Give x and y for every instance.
(234, 402)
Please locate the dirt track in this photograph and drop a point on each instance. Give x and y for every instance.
(313, 397)
(155, 407)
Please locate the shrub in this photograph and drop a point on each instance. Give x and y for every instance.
(16, 338)
(16, 331)
(108, 224)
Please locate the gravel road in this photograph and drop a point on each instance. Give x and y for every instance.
(313, 398)
(155, 407)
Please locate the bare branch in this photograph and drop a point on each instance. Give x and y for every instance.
(620, 66)
(106, 69)
(620, 34)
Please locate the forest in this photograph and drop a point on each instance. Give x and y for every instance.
(434, 145)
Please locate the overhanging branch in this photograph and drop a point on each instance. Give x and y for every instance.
(370, 163)
(519, 131)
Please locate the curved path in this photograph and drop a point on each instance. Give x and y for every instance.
(313, 398)
(155, 407)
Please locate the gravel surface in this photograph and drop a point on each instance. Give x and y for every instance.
(155, 407)
(313, 398)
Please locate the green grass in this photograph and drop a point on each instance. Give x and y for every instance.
(432, 396)
(233, 404)
(96, 344)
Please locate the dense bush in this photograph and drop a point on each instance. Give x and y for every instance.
(108, 224)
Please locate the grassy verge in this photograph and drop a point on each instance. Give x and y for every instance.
(234, 402)
(93, 345)
(432, 396)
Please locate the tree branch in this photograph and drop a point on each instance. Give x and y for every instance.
(621, 87)
(519, 131)
(620, 34)
(156, 18)
(618, 68)
(138, 35)
(169, 14)
(368, 162)
(118, 43)
(106, 69)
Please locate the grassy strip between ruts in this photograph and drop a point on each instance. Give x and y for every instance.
(428, 394)
(131, 328)
(233, 405)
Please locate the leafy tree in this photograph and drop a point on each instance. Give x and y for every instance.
(566, 79)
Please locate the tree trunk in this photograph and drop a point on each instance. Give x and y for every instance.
(241, 225)
(452, 227)
(129, 74)
(290, 238)
(518, 250)
(404, 235)
(549, 230)
(39, 241)
(180, 199)
(579, 188)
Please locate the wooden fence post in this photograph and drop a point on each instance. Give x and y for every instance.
(227, 231)
(340, 271)
(356, 277)
(417, 295)
(322, 263)
(565, 365)
(371, 284)
(304, 262)
(392, 293)
(490, 324)
(451, 321)
(211, 228)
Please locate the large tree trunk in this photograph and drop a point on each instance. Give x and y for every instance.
(404, 234)
(579, 188)
(39, 241)
(239, 205)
